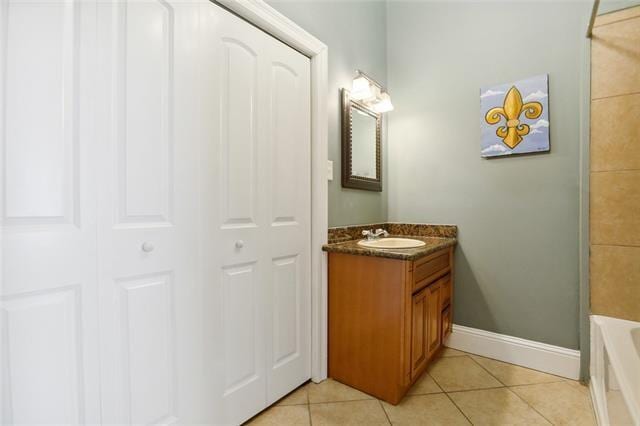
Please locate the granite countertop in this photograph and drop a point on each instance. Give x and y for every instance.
(433, 244)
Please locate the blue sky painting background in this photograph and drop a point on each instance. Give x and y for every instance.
(531, 89)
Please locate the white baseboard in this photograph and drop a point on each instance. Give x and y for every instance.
(526, 353)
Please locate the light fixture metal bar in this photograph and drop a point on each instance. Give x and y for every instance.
(371, 79)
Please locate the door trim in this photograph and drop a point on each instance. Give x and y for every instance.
(263, 16)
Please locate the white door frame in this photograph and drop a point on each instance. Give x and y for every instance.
(263, 16)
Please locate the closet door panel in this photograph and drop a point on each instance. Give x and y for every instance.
(43, 354)
(150, 300)
(289, 158)
(239, 315)
(147, 323)
(47, 297)
(40, 173)
(144, 76)
(238, 134)
(233, 198)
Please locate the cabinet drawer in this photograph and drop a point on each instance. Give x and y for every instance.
(428, 269)
(446, 290)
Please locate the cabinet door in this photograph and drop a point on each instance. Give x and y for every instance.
(446, 323)
(419, 329)
(445, 297)
(433, 320)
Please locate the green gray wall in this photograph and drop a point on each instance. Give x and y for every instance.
(517, 259)
(355, 32)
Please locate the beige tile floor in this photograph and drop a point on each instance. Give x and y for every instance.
(458, 389)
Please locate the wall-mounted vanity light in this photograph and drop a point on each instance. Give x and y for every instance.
(371, 93)
(362, 109)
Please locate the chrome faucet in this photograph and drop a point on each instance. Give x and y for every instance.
(372, 235)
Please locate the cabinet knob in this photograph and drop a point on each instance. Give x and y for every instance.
(239, 244)
(147, 247)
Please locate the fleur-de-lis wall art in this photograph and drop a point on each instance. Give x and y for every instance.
(520, 111)
(512, 133)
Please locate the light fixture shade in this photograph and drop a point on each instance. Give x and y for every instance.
(361, 89)
(383, 103)
(375, 95)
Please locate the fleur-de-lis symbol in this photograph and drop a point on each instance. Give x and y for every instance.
(513, 107)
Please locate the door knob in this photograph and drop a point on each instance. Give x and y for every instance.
(239, 244)
(147, 247)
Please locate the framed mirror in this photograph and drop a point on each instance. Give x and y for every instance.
(361, 150)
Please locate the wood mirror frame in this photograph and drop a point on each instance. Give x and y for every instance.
(349, 180)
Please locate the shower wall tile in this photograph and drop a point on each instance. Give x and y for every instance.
(615, 133)
(615, 208)
(615, 281)
(614, 59)
(615, 165)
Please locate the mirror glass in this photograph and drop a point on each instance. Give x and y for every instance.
(363, 144)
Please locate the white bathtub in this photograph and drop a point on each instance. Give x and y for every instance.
(615, 370)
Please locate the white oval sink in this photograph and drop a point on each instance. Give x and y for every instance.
(392, 243)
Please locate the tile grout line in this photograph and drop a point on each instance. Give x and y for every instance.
(539, 383)
(449, 393)
(559, 379)
(504, 386)
(459, 409)
(309, 407)
(518, 396)
(345, 400)
(488, 372)
(434, 381)
(475, 389)
(615, 171)
(615, 96)
(530, 406)
(615, 245)
(409, 395)
(440, 358)
(536, 410)
(385, 412)
(619, 20)
(453, 355)
(442, 391)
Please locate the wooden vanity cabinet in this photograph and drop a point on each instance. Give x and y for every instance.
(387, 319)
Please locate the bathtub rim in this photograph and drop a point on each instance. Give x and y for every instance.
(607, 333)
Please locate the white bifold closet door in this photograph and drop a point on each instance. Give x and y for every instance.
(155, 214)
(101, 294)
(256, 240)
(49, 365)
(49, 359)
(150, 289)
